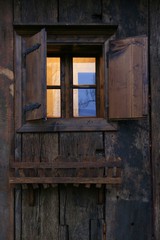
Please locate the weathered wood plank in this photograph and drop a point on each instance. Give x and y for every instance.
(155, 111)
(128, 78)
(80, 180)
(68, 125)
(42, 216)
(37, 12)
(34, 56)
(92, 162)
(80, 11)
(41, 147)
(6, 118)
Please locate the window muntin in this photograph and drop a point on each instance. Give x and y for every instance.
(84, 87)
(81, 91)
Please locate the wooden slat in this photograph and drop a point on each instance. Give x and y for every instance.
(65, 164)
(50, 180)
(128, 90)
(35, 86)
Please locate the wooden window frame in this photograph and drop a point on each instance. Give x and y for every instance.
(57, 37)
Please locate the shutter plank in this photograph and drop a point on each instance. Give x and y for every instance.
(35, 98)
(128, 83)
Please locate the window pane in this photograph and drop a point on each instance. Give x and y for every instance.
(84, 102)
(53, 103)
(84, 71)
(53, 71)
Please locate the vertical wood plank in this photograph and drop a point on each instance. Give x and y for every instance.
(17, 10)
(6, 118)
(155, 111)
(36, 12)
(36, 77)
(73, 11)
(128, 78)
(44, 215)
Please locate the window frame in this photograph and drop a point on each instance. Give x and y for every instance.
(66, 61)
(71, 35)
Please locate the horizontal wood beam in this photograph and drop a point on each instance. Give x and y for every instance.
(65, 180)
(65, 165)
(68, 125)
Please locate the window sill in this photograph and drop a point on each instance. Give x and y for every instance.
(68, 125)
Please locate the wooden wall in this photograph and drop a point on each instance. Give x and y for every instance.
(69, 212)
(155, 110)
(6, 117)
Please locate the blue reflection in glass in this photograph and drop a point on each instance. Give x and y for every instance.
(86, 97)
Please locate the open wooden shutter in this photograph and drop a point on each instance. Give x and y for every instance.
(128, 78)
(35, 84)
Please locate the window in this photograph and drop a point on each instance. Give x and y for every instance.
(80, 88)
(77, 92)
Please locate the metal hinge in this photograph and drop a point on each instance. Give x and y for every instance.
(31, 107)
(32, 49)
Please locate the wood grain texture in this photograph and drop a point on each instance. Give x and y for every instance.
(128, 78)
(155, 111)
(80, 11)
(6, 118)
(35, 82)
(37, 12)
(40, 216)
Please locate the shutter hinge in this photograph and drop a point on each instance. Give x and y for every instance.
(31, 107)
(32, 49)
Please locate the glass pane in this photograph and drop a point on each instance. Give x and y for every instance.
(53, 71)
(84, 71)
(53, 103)
(84, 102)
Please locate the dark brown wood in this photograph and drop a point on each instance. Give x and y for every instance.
(92, 162)
(128, 78)
(40, 215)
(89, 11)
(155, 112)
(101, 32)
(79, 180)
(35, 85)
(68, 125)
(126, 207)
(35, 12)
(6, 119)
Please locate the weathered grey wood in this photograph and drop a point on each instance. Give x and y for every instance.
(80, 11)
(44, 213)
(17, 10)
(128, 209)
(18, 213)
(35, 63)
(131, 143)
(155, 111)
(63, 232)
(78, 206)
(88, 162)
(68, 125)
(37, 12)
(6, 119)
(40, 216)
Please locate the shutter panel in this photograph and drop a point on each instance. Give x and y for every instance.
(128, 78)
(35, 85)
